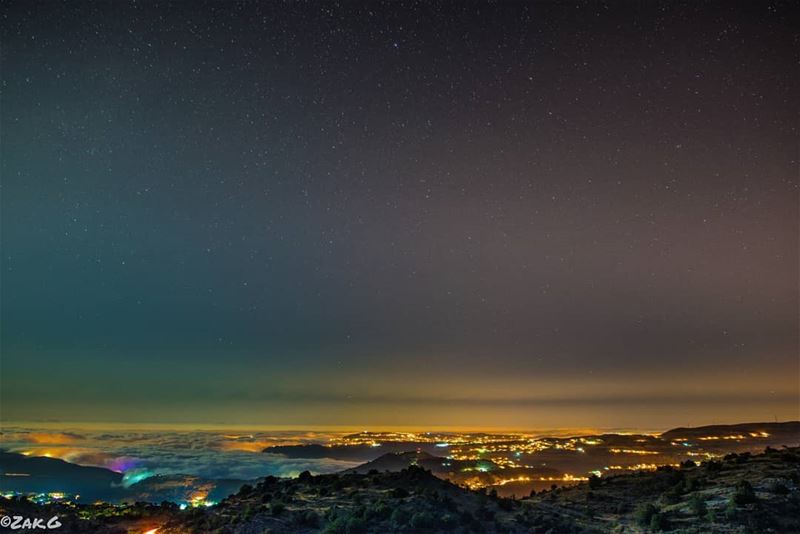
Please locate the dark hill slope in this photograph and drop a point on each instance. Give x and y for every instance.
(38, 474)
(741, 494)
(786, 433)
(357, 453)
(392, 461)
(412, 500)
(439, 466)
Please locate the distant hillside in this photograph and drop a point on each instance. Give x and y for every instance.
(516, 464)
(753, 437)
(786, 433)
(398, 461)
(358, 453)
(438, 465)
(740, 494)
(37, 474)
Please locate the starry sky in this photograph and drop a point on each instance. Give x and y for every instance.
(503, 214)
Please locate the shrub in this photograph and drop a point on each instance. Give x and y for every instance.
(332, 513)
(399, 493)
(278, 508)
(448, 503)
(506, 504)
(658, 522)
(336, 526)
(379, 511)
(484, 514)
(644, 514)
(692, 484)
(432, 494)
(731, 513)
(594, 482)
(778, 488)
(422, 520)
(744, 493)
(698, 505)
(449, 522)
(713, 466)
(309, 518)
(355, 525)
(400, 516)
(345, 524)
(673, 495)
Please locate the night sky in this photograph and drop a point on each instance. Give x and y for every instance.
(502, 214)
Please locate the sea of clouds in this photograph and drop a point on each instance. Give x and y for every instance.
(140, 454)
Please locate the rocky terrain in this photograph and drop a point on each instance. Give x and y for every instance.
(741, 493)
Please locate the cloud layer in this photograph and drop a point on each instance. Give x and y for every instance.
(139, 454)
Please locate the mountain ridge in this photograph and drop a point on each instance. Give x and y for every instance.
(738, 494)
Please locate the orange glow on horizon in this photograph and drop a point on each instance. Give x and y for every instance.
(44, 438)
(246, 446)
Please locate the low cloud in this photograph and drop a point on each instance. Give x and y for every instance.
(205, 454)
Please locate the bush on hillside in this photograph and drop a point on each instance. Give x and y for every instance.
(644, 514)
(698, 505)
(744, 493)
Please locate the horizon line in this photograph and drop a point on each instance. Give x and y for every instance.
(350, 428)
